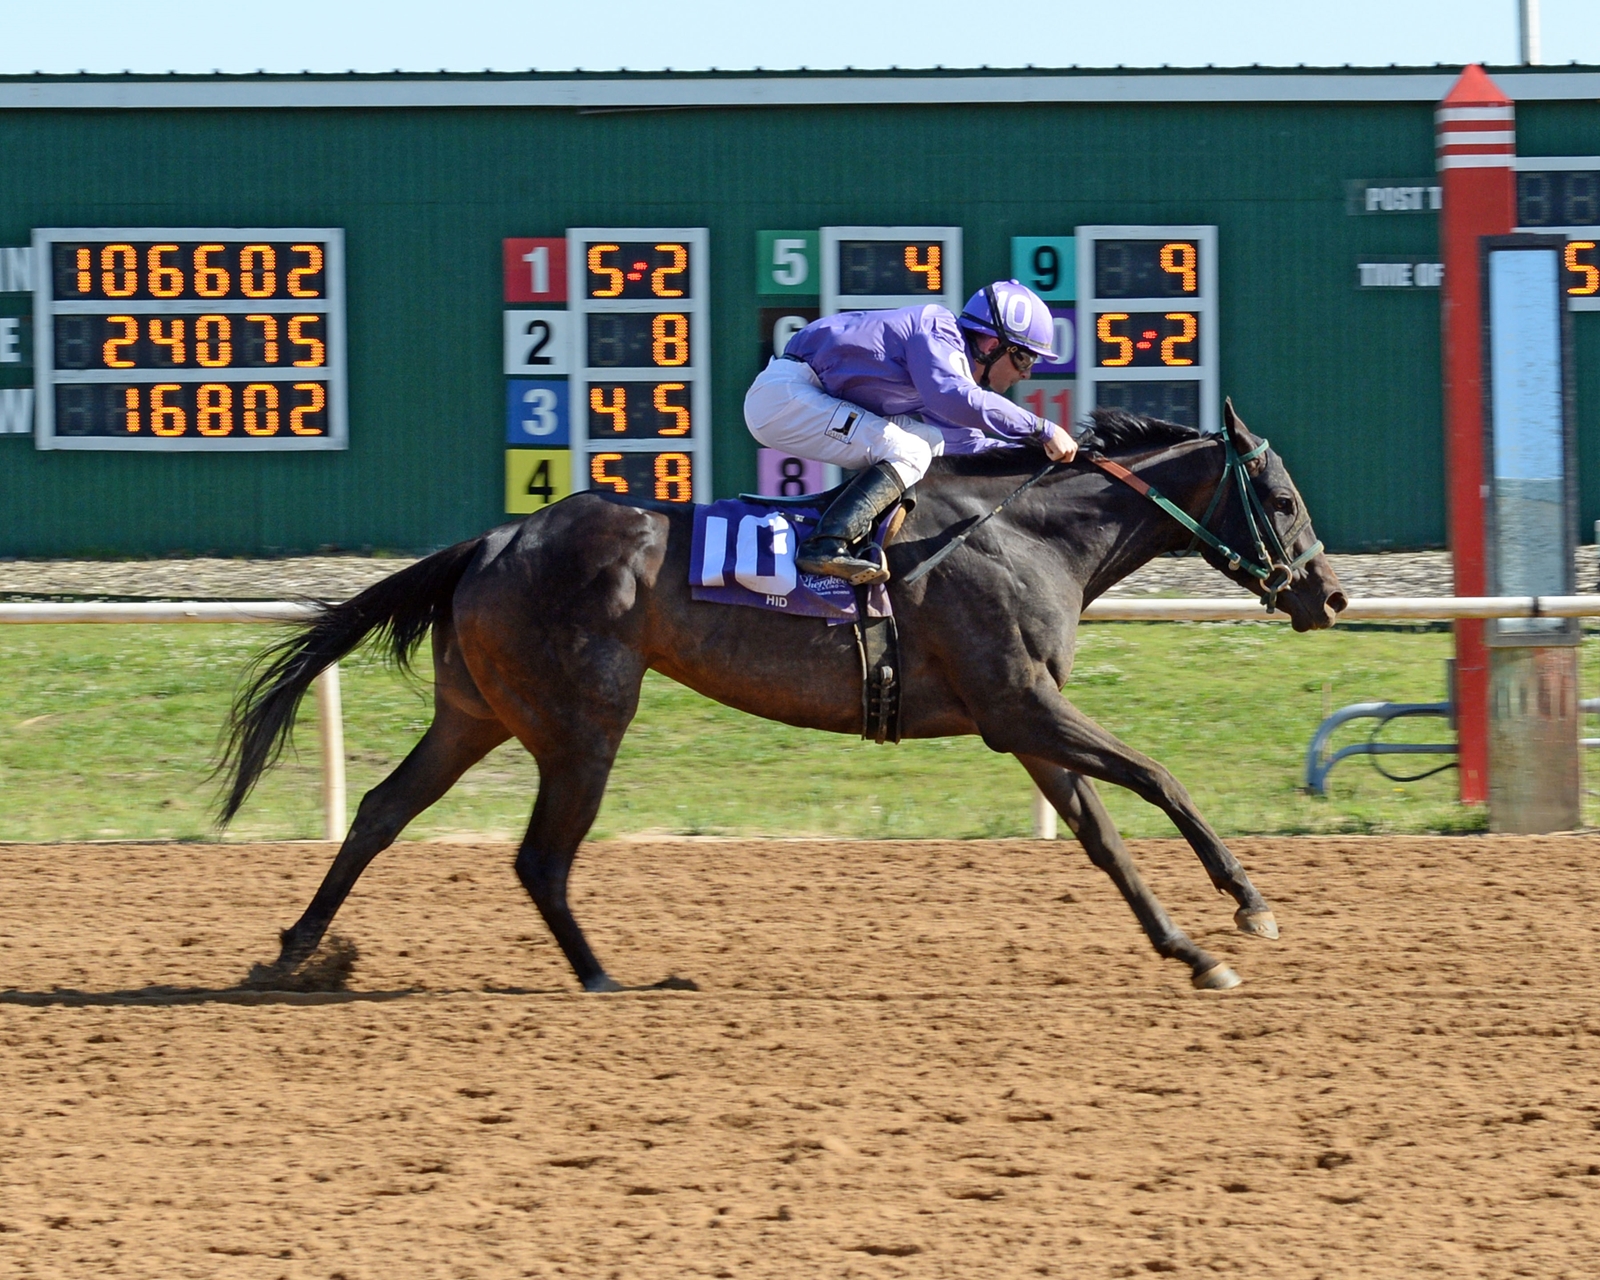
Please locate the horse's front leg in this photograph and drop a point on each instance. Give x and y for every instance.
(1045, 725)
(1076, 801)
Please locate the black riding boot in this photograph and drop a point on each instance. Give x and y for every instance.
(849, 519)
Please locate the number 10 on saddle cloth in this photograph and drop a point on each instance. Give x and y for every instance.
(743, 553)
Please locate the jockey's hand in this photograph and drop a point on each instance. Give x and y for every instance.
(1059, 446)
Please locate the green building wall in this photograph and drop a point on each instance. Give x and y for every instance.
(1345, 382)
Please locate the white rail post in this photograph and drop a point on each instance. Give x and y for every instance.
(1044, 817)
(330, 727)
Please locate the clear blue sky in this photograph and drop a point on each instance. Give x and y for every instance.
(470, 35)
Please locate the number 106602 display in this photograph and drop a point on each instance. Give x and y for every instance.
(212, 339)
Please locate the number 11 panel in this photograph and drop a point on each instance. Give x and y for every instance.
(1147, 322)
(641, 360)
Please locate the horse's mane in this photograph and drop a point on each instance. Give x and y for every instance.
(1117, 431)
(1110, 431)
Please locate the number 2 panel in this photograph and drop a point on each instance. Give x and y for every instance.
(538, 344)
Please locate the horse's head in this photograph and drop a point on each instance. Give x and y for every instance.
(1264, 519)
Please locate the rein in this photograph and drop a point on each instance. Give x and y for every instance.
(1272, 567)
(923, 569)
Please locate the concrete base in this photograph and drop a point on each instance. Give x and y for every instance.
(1535, 778)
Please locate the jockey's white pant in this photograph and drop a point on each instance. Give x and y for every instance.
(787, 409)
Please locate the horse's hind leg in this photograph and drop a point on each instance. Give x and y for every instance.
(571, 787)
(455, 741)
(1076, 800)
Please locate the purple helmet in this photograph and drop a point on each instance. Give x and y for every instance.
(1024, 319)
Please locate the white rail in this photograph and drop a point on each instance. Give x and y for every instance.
(1106, 609)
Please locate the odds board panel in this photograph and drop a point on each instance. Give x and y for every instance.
(881, 268)
(641, 361)
(1147, 322)
(214, 339)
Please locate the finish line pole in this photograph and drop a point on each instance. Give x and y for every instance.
(1475, 136)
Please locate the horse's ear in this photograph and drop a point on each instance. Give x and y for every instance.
(1233, 424)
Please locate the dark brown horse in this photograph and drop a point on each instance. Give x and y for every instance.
(543, 630)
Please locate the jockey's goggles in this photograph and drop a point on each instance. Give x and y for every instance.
(1022, 358)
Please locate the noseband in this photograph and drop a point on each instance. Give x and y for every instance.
(1272, 566)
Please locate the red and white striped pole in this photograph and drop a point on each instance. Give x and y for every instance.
(1476, 140)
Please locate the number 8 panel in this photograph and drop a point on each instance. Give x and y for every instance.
(641, 383)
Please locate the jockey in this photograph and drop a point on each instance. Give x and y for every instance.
(854, 389)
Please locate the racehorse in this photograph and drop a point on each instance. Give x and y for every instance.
(544, 629)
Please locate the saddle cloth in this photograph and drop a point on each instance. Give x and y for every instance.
(743, 553)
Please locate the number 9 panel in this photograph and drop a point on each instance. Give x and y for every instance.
(641, 376)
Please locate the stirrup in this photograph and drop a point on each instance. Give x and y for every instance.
(831, 558)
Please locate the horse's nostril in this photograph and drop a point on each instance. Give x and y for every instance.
(1337, 601)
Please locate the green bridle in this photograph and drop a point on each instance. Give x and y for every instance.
(1273, 566)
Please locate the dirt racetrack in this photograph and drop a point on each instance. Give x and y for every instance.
(905, 1059)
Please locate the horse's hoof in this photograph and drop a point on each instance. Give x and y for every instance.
(1260, 923)
(601, 983)
(1217, 978)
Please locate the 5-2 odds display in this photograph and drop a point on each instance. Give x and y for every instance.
(1147, 322)
(214, 339)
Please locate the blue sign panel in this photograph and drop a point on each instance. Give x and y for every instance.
(537, 414)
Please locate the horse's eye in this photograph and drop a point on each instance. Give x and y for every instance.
(1283, 504)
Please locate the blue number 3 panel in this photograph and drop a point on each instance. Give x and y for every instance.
(537, 413)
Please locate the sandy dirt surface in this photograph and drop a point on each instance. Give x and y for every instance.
(905, 1059)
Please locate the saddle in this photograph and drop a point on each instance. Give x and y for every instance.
(743, 553)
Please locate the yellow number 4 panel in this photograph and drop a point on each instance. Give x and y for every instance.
(535, 478)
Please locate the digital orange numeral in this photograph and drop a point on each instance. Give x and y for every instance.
(618, 408)
(599, 268)
(598, 475)
(269, 337)
(171, 339)
(1186, 334)
(214, 409)
(313, 267)
(261, 409)
(1588, 270)
(119, 271)
(658, 277)
(1102, 330)
(297, 335)
(258, 270)
(677, 412)
(219, 356)
(130, 405)
(669, 340)
(165, 280)
(1179, 259)
(111, 352)
(929, 269)
(210, 281)
(299, 414)
(85, 278)
(674, 482)
(166, 419)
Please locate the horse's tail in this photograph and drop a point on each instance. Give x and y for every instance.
(400, 610)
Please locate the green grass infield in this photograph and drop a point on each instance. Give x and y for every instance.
(110, 732)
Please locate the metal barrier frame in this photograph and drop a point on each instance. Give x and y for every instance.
(1106, 609)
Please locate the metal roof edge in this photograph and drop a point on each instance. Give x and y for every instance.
(601, 93)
